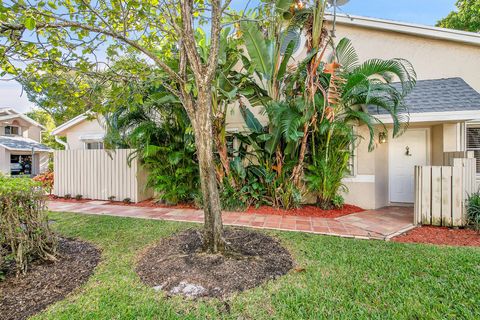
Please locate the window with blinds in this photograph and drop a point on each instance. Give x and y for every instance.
(473, 143)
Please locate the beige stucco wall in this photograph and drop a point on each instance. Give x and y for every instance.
(369, 187)
(27, 130)
(431, 58)
(87, 127)
(437, 144)
(32, 132)
(4, 161)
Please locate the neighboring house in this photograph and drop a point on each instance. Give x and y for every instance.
(20, 149)
(444, 107)
(82, 132)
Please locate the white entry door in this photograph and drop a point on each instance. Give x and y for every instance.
(406, 152)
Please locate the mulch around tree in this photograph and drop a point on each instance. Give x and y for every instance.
(178, 267)
(308, 211)
(46, 283)
(441, 236)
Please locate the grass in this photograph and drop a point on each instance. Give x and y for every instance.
(343, 279)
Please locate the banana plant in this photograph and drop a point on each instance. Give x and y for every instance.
(270, 49)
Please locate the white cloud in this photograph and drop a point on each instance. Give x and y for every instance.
(11, 95)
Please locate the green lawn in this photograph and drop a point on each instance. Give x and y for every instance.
(344, 279)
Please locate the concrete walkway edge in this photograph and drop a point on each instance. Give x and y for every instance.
(381, 224)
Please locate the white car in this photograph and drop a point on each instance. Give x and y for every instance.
(15, 168)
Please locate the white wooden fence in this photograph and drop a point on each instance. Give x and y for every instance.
(441, 191)
(96, 174)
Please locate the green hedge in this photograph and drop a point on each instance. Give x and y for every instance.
(24, 232)
(473, 210)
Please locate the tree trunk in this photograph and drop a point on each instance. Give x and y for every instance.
(298, 170)
(213, 228)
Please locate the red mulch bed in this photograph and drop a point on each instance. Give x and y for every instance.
(441, 236)
(308, 211)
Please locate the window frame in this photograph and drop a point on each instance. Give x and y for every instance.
(19, 130)
(99, 143)
(476, 126)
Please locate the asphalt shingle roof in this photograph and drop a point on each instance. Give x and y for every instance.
(440, 95)
(20, 143)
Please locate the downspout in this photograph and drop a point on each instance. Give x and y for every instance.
(63, 143)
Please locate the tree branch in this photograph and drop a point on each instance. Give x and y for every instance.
(69, 24)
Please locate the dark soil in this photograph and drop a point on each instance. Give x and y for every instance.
(178, 266)
(72, 200)
(46, 283)
(154, 204)
(308, 211)
(441, 235)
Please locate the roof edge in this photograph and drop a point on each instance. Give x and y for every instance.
(434, 116)
(409, 28)
(24, 117)
(70, 123)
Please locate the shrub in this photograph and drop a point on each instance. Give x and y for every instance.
(330, 162)
(78, 197)
(473, 210)
(46, 179)
(68, 196)
(24, 232)
(111, 198)
(127, 200)
(338, 201)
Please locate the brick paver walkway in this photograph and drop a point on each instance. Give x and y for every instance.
(373, 224)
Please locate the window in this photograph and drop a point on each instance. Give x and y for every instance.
(473, 143)
(94, 145)
(12, 130)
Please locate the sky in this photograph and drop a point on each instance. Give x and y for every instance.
(426, 12)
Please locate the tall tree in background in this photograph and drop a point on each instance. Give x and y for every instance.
(36, 37)
(63, 96)
(467, 17)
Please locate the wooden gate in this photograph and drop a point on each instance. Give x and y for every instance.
(441, 191)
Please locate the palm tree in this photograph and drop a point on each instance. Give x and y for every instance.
(352, 90)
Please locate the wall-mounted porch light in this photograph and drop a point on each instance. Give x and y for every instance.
(382, 137)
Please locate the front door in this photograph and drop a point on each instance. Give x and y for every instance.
(406, 152)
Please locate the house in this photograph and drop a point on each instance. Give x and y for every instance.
(86, 131)
(444, 107)
(20, 149)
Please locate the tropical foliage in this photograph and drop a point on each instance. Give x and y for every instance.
(157, 127)
(313, 103)
(473, 210)
(311, 107)
(174, 115)
(46, 180)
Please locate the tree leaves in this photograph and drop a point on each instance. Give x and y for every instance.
(30, 23)
(258, 49)
(251, 121)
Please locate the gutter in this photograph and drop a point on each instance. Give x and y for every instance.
(63, 143)
(418, 30)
